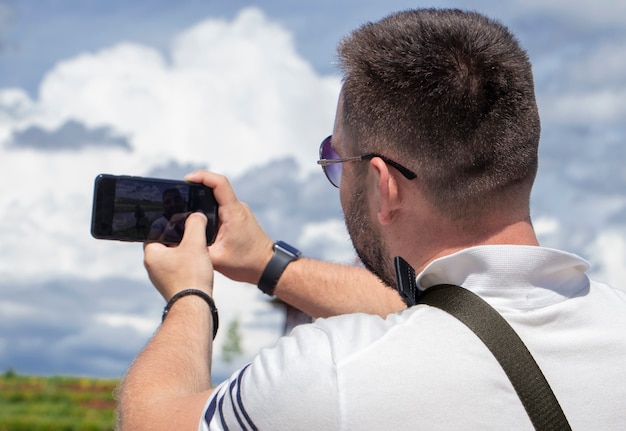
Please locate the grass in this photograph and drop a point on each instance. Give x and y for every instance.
(56, 403)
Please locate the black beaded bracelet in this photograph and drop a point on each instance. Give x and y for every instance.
(201, 294)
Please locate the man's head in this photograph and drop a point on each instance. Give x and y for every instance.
(172, 202)
(449, 95)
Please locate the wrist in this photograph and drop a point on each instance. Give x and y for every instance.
(268, 253)
(283, 255)
(199, 293)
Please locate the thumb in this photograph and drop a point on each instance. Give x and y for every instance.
(195, 230)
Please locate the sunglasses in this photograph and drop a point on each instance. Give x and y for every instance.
(331, 162)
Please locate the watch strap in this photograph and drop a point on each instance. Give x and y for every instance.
(284, 254)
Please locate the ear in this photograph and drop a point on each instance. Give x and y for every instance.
(388, 195)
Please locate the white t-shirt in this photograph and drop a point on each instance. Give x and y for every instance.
(423, 369)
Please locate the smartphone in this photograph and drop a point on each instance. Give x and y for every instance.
(138, 209)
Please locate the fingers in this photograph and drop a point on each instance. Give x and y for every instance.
(195, 230)
(152, 246)
(152, 252)
(188, 265)
(241, 249)
(223, 191)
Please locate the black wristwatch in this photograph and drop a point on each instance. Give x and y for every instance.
(284, 254)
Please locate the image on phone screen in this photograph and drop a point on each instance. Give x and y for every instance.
(147, 209)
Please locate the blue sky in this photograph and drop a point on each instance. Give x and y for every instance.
(247, 89)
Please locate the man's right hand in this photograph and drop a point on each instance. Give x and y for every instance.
(241, 249)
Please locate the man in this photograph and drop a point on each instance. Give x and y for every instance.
(434, 152)
(170, 225)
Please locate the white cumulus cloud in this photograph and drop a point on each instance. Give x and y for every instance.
(227, 96)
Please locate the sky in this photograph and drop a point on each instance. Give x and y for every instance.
(246, 89)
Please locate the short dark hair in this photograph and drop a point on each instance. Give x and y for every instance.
(449, 93)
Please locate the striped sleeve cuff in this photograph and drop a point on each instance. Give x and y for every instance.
(225, 409)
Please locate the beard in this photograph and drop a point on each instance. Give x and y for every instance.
(367, 241)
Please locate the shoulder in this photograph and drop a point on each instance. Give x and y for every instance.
(300, 370)
(605, 300)
(605, 289)
(160, 222)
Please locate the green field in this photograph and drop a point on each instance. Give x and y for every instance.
(56, 403)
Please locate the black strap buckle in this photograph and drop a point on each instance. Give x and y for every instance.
(406, 283)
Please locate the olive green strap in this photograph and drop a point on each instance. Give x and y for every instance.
(529, 382)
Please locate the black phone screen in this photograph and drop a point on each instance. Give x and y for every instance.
(127, 208)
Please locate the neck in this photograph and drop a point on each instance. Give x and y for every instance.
(444, 240)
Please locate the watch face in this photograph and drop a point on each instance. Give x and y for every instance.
(288, 248)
